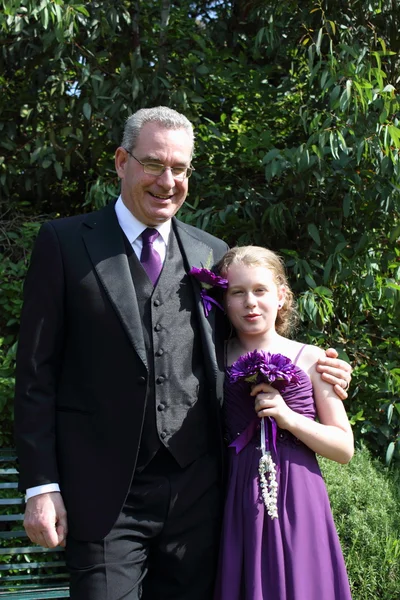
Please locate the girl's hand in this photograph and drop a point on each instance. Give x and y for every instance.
(269, 403)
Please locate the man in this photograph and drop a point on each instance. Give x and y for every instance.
(119, 383)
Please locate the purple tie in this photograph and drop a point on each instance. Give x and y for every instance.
(149, 257)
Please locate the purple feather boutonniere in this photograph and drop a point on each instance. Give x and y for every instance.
(208, 280)
(277, 370)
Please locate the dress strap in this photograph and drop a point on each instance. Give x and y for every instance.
(298, 354)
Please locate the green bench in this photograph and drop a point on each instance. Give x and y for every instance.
(26, 571)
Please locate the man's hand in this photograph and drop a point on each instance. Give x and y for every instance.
(45, 520)
(336, 372)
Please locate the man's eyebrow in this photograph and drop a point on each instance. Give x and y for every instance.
(154, 159)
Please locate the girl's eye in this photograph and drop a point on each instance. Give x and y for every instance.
(236, 292)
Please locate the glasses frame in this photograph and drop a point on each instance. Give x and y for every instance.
(189, 170)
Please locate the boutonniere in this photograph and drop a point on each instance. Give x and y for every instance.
(208, 280)
(277, 370)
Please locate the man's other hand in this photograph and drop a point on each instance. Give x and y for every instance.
(335, 371)
(45, 520)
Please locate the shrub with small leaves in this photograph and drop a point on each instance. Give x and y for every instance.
(365, 500)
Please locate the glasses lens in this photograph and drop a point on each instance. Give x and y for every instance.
(178, 172)
(157, 169)
(153, 168)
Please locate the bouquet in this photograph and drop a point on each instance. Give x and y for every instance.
(277, 370)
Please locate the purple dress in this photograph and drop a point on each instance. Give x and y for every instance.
(297, 556)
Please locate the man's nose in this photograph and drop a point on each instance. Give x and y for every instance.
(166, 179)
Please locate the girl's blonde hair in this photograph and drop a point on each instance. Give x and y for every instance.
(256, 256)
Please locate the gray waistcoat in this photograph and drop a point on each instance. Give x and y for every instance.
(177, 409)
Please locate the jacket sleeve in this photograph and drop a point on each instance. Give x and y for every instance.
(39, 354)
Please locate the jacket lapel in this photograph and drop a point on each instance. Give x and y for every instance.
(104, 242)
(198, 254)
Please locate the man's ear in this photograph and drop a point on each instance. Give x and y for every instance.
(121, 160)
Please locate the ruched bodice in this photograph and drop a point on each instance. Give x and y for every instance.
(238, 407)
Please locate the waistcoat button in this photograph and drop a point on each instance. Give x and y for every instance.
(157, 327)
(161, 407)
(160, 352)
(163, 435)
(160, 379)
(156, 303)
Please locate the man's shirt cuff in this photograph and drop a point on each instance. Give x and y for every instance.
(41, 489)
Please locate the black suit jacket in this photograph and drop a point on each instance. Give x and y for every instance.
(82, 367)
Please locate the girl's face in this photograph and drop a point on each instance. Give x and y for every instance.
(252, 299)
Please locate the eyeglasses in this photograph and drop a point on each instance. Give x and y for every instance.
(157, 169)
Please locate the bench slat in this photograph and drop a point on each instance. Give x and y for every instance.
(29, 550)
(32, 565)
(29, 577)
(37, 594)
(8, 535)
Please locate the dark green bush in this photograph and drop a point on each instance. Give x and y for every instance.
(16, 240)
(365, 500)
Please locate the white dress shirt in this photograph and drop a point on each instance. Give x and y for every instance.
(133, 229)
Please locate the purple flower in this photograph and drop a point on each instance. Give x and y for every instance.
(208, 278)
(259, 366)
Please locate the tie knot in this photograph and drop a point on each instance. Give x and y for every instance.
(149, 235)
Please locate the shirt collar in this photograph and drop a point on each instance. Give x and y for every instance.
(133, 228)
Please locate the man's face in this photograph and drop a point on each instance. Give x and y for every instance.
(153, 199)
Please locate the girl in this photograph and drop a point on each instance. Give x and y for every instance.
(289, 551)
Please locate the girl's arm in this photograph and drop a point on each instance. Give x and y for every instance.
(332, 436)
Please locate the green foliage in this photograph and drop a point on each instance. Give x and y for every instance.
(16, 239)
(365, 500)
(296, 110)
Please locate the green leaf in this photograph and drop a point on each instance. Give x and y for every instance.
(310, 281)
(334, 95)
(87, 110)
(389, 452)
(274, 153)
(58, 169)
(314, 233)
(346, 205)
(81, 9)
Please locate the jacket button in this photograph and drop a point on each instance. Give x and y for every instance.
(163, 435)
(141, 380)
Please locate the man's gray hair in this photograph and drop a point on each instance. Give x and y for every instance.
(166, 117)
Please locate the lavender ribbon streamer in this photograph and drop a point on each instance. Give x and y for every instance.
(207, 301)
(247, 434)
